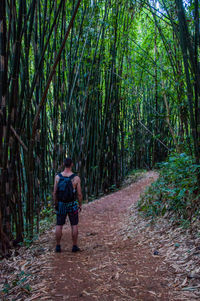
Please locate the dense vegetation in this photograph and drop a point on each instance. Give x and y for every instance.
(114, 84)
(175, 194)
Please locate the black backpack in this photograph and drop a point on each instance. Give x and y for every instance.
(65, 190)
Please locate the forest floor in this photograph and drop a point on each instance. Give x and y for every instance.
(117, 260)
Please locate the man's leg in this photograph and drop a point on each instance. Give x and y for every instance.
(75, 235)
(73, 217)
(58, 234)
(60, 221)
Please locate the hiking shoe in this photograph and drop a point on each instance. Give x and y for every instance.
(58, 249)
(75, 249)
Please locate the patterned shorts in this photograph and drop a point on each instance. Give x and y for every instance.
(64, 209)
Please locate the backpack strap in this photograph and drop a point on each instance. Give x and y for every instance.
(72, 176)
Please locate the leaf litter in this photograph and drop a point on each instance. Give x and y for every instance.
(22, 276)
(179, 249)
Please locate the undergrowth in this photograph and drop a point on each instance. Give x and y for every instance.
(47, 218)
(175, 193)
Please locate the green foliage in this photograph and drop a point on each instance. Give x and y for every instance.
(47, 218)
(175, 193)
(47, 212)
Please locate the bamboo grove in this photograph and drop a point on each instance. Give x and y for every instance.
(114, 84)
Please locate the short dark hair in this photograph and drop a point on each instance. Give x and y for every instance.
(68, 162)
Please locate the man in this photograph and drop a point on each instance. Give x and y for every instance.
(69, 208)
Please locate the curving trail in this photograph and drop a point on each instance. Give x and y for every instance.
(111, 267)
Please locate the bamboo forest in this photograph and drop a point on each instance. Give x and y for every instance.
(115, 86)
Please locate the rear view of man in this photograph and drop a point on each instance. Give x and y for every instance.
(67, 187)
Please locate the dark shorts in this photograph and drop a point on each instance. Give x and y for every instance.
(73, 218)
(64, 210)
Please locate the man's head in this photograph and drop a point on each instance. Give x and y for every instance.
(68, 162)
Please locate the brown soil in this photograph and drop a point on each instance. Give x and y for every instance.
(111, 266)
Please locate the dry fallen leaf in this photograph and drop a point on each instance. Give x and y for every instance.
(117, 276)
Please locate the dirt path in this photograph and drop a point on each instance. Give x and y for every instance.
(110, 267)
